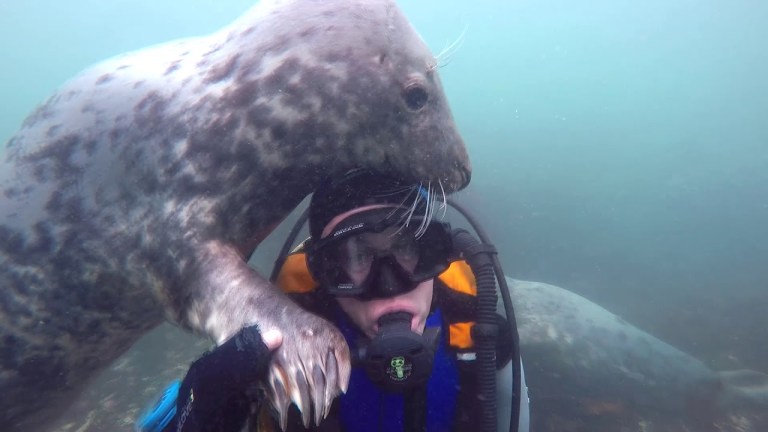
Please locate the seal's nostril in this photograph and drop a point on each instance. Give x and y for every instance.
(467, 176)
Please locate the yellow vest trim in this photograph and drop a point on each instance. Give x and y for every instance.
(460, 335)
(295, 278)
(459, 277)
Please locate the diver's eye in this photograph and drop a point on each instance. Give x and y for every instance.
(416, 97)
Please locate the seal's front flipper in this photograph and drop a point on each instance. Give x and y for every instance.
(313, 358)
(310, 369)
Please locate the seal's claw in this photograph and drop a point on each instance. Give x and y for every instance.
(301, 397)
(319, 399)
(332, 379)
(343, 368)
(278, 395)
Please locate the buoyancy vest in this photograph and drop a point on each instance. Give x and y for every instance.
(454, 308)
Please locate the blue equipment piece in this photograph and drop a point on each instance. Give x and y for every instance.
(157, 418)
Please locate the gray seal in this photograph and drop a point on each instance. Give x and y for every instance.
(588, 369)
(137, 191)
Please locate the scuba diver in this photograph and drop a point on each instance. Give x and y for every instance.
(417, 305)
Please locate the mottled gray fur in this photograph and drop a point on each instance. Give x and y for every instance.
(136, 192)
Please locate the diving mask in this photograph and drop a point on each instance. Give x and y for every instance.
(372, 254)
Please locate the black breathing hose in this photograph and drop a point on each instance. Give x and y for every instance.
(514, 419)
(486, 330)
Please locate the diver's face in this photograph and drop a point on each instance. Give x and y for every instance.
(366, 314)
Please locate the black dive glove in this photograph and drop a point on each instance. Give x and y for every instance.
(213, 395)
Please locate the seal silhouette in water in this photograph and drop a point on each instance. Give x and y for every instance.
(587, 369)
(136, 192)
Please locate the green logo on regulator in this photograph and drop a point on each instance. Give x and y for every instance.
(398, 369)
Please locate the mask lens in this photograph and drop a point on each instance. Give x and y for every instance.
(372, 255)
(355, 258)
(356, 254)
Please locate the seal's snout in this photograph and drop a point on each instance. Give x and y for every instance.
(457, 171)
(457, 179)
(465, 175)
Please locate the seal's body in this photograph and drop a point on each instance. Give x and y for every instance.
(136, 191)
(587, 369)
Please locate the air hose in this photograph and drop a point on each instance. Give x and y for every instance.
(514, 416)
(485, 331)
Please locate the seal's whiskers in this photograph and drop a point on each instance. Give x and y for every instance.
(446, 54)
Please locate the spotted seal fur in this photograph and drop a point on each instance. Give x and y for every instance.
(136, 192)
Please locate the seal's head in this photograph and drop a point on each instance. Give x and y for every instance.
(355, 85)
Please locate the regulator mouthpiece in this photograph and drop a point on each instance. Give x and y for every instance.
(397, 358)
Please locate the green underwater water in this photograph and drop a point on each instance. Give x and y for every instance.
(620, 148)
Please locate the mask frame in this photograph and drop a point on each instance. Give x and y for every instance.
(386, 277)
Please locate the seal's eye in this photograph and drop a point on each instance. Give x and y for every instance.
(416, 97)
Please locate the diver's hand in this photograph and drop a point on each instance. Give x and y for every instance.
(272, 339)
(311, 363)
(213, 394)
